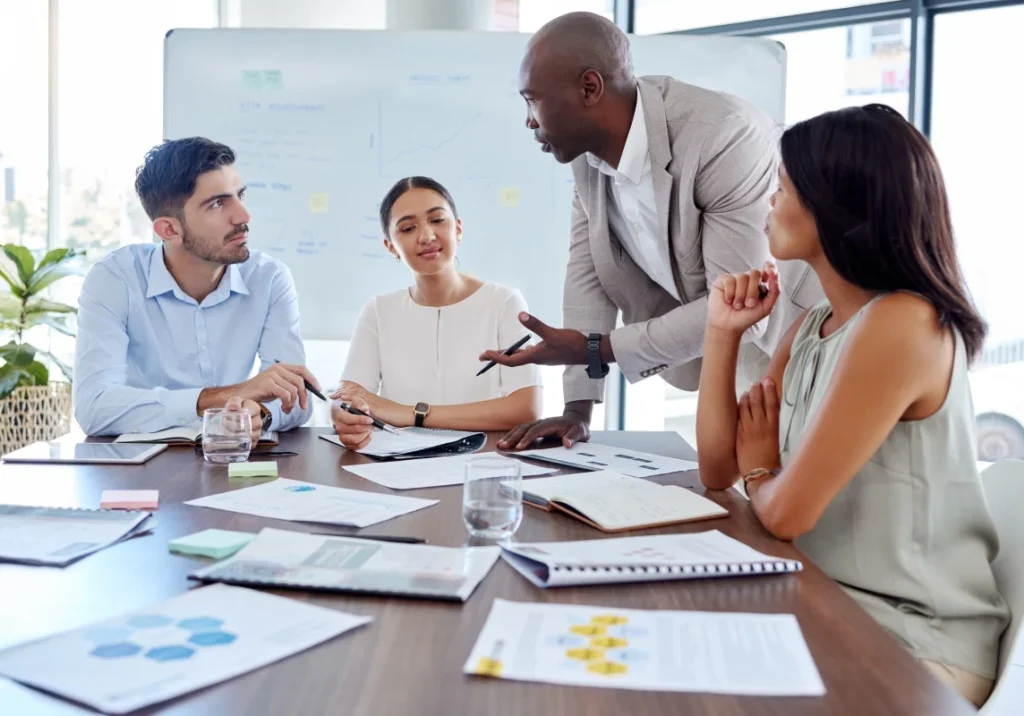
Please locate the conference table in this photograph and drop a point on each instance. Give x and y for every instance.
(409, 659)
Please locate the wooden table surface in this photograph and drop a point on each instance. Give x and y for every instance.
(409, 659)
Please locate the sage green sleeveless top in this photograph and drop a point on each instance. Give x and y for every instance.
(910, 537)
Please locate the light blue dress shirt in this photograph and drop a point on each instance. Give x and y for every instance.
(146, 349)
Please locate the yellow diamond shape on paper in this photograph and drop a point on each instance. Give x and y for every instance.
(608, 619)
(608, 642)
(488, 667)
(587, 630)
(606, 668)
(585, 654)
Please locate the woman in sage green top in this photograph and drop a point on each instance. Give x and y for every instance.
(858, 443)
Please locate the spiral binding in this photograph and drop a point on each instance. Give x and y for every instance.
(780, 566)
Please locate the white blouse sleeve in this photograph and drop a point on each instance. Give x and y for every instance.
(363, 363)
(511, 330)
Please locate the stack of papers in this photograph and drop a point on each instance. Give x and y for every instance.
(430, 472)
(711, 652)
(614, 502)
(194, 640)
(593, 456)
(284, 499)
(57, 536)
(279, 558)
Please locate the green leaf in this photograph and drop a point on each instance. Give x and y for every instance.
(42, 279)
(22, 258)
(11, 376)
(9, 273)
(39, 372)
(19, 354)
(10, 307)
(63, 367)
(55, 257)
(58, 323)
(45, 305)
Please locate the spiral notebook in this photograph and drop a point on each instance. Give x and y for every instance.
(641, 559)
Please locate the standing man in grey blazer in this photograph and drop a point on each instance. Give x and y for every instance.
(672, 188)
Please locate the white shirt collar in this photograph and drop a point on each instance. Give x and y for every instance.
(634, 152)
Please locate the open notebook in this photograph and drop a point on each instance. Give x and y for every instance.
(187, 435)
(641, 559)
(613, 502)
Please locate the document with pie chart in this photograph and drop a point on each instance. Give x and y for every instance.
(711, 652)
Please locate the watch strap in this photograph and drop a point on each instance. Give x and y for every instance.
(595, 368)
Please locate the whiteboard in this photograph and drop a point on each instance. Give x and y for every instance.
(324, 121)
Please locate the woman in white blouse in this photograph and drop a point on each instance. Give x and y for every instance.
(415, 353)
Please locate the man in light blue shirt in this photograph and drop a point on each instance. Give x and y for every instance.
(167, 331)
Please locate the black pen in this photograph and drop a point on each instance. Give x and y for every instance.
(310, 387)
(508, 351)
(377, 423)
(377, 538)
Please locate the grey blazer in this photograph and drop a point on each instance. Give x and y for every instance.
(714, 160)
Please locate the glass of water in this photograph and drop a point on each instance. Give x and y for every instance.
(227, 435)
(492, 497)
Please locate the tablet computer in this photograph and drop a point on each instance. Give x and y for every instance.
(58, 451)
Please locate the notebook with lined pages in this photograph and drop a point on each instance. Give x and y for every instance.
(654, 558)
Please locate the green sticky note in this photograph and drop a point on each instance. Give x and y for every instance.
(272, 79)
(252, 79)
(252, 469)
(217, 544)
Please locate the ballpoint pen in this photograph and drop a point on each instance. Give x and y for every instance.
(508, 351)
(309, 387)
(377, 423)
(378, 538)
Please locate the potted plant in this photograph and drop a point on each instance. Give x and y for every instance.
(32, 408)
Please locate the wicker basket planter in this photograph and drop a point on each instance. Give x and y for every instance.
(34, 413)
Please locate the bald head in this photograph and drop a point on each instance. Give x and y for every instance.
(577, 79)
(579, 41)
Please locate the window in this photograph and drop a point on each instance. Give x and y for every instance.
(23, 123)
(534, 13)
(654, 16)
(981, 155)
(845, 66)
(111, 112)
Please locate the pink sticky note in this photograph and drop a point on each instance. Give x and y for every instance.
(129, 499)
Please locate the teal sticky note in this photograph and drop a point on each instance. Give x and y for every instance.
(217, 544)
(252, 79)
(273, 80)
(252, 469)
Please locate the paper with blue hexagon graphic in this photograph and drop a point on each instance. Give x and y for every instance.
(285, 499)
(196, 639)
(711, 652)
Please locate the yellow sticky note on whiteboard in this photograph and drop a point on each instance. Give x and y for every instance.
(319, 203)
(509, 198)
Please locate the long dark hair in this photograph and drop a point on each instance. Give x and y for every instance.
(874, 187)
(404, 185)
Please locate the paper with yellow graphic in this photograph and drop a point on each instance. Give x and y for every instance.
(712, 652)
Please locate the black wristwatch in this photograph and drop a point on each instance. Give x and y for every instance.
(595, 368)
(267, 418)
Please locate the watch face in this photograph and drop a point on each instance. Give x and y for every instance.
(421, 408)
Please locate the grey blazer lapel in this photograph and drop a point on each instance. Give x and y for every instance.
(660, 151)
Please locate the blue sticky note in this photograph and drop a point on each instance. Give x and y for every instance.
(217, 544)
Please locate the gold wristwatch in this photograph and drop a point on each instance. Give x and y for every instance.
(420, 411)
